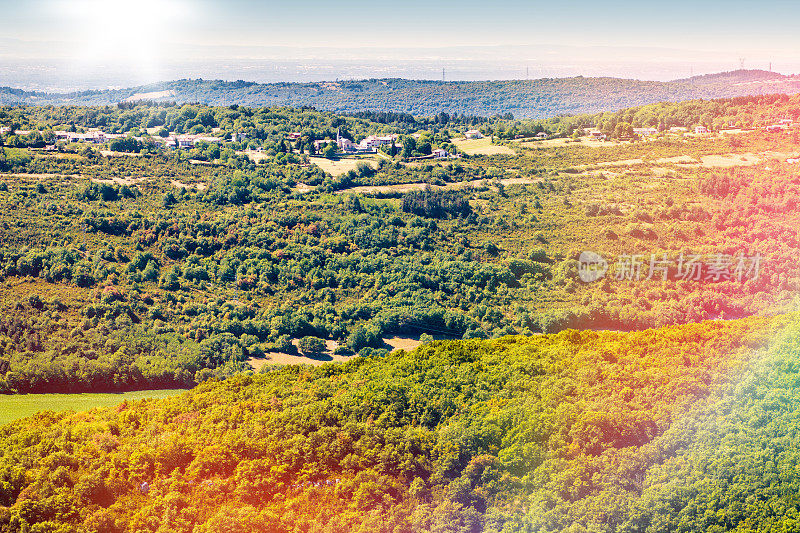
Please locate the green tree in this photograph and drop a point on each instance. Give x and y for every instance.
(329, 151)
(409, 146)
(311, 346)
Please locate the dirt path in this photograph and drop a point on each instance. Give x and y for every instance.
(23, 176)
(109, 153)
(120, 181)
(408, 187)
(180, 185)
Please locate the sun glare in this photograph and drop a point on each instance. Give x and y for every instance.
(122, 32)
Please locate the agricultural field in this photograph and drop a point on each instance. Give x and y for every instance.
(337, 167)
(16, 406)
(481, 147)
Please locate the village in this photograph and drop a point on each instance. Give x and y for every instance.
(471, 142)
(344, 145)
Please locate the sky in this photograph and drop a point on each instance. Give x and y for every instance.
(99, 43)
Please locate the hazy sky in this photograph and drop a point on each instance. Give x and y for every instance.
(150, 39)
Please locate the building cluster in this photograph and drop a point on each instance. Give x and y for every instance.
(101, 137)
(93, 137)
(368, 144)
(186, 141)
(781, 125)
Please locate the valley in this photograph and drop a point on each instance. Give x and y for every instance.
(540, 335)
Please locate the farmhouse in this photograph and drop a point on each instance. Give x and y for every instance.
(700, 130)
(440, 153)
(373, 143)
(96, 137)
(473, 134)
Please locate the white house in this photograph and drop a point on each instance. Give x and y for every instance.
(700, 130)
(439, 153)
(373, 143)
(473, 134)
(541, 135)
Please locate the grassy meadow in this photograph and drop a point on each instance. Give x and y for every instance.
(16, 406)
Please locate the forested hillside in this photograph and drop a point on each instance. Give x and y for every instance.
(578, 431)
(524, 99)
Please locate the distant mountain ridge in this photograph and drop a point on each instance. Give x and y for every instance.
(523, 98)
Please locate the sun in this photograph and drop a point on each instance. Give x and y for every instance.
(123, 32)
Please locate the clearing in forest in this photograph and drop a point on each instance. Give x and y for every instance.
(481, 147)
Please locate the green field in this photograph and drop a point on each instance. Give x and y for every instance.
(14, 407)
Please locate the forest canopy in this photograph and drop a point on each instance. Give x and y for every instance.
(576, 430)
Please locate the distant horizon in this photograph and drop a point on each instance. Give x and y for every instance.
(68, 45)
(100, 87)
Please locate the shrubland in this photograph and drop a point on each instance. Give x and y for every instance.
(151, 271)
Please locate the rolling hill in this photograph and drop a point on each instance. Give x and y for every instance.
(523, 98)
(579, 431)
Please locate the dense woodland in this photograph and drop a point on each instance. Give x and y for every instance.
(579, 431)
